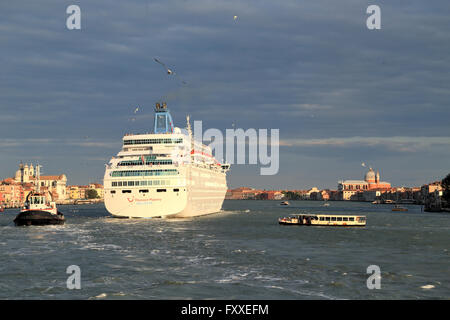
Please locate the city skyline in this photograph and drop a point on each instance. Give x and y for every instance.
(339, 93)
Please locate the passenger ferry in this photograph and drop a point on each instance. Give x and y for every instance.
(324, 220)
(164, 174)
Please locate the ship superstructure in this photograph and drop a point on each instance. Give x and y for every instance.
(164, 174)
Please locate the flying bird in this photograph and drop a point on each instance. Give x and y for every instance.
(136, 110)
(363, 164)
(169, 71)
(165, 67)
(235, 18)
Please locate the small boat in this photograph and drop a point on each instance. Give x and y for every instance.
(38, 210)
(284, 203)
(290, 220)
(398, 208)
(324, 220)
(326, 204)
(1, 209)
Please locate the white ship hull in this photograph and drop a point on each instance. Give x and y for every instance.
(200, 192)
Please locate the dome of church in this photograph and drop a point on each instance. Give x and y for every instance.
(370, 176)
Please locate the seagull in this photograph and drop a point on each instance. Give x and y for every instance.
(165, 67)
(136, 110)
(169, 71)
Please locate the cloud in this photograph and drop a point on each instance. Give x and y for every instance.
(58, 143)
(398, 143)
(310, 69)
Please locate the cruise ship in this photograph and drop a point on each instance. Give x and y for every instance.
(164, 174)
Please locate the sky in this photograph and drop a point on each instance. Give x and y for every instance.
(339, 93)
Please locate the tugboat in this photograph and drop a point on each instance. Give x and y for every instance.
(37, 210)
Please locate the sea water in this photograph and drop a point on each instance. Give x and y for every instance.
(239, 253)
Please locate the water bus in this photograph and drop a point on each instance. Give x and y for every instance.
(324, 220)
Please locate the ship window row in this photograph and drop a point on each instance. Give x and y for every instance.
(152, 141)
(145, 191)
(140, 173)
(337, 219)
(140, 163)
(141, 183)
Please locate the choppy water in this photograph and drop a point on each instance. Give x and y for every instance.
(239, 253)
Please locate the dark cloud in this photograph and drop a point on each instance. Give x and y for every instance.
(311, 69)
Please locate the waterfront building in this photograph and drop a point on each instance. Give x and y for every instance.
(77, 192)
(81, 192)
(432, 196)
(325, 194)
(354, 189)
(242, 193)
(312, 194)
(270, 195)
(73, 192)
(56, 184)
(12, 193)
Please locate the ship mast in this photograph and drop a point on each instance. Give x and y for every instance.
(189, 130)
(188, 127)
